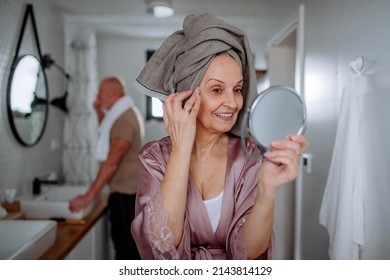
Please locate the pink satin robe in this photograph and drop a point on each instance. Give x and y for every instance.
(154, 238)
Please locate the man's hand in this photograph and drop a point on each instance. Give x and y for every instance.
(79, 202)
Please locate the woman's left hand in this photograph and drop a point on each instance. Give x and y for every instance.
(281, 165)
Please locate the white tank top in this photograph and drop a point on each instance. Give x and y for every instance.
(214, 208)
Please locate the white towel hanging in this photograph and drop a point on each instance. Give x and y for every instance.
(342, 210)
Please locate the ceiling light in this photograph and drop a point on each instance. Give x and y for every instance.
(160, 8)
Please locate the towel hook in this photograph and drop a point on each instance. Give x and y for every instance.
(356, 66)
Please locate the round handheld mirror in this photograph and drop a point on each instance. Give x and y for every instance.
(274, 114)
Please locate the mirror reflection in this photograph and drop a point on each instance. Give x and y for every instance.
(27, 100)
(275, 113)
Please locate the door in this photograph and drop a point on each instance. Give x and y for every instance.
(285, 67)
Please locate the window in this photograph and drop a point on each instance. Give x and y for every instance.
(153, 105)
(154, 109)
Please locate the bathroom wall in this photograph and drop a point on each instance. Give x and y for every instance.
(126, 56)
(18, 164)
(337, 32)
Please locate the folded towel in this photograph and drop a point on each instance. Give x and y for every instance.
(342, 211)
(3, 212)
(103, 143)
(183, 58)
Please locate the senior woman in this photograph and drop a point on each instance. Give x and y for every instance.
(199, 197)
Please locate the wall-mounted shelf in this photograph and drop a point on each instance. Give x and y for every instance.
(260, 73)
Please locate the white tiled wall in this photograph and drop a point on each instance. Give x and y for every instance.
(336, 33)
(18, 164)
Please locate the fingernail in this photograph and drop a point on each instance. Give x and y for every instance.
(273, 143)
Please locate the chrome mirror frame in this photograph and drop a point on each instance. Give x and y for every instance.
(249, 122)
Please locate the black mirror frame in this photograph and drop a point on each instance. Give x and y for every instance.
(29, 12)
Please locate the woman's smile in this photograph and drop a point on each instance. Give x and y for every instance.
(225, 116)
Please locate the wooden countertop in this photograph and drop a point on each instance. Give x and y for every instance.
(69, 234)
(14, 216)
(13, 211)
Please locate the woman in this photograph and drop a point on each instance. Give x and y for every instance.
(198, 196)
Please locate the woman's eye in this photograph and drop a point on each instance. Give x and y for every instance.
(216, 90)
(238, 90)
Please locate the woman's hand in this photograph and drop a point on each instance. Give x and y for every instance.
(281, 165)
(180, 122)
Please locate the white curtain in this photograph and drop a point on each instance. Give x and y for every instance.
(80, 127)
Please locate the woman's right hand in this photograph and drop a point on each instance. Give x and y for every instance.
(180, 122)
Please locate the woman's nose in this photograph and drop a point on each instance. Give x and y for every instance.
(230, 99)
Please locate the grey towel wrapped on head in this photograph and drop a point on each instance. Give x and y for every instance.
(183, 58)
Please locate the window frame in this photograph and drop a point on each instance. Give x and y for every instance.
(149, 99)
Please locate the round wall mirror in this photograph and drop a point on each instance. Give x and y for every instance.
(27, 100)
(274, 114)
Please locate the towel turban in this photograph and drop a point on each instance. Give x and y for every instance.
(183, 58)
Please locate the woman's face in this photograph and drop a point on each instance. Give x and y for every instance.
(221, 94)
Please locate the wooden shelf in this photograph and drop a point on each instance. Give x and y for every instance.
(12, 207)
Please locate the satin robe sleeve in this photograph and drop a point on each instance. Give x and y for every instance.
(245, 180)
(149, 228)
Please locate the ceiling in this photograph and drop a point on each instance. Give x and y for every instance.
(259, 18)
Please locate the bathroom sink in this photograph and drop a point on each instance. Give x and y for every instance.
(26, 240)
(52, 203)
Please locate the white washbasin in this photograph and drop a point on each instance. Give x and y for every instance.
(53, 203)
(26, 240)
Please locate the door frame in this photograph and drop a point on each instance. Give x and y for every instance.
(297, 24)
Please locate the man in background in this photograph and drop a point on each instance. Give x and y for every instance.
(121, 132)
